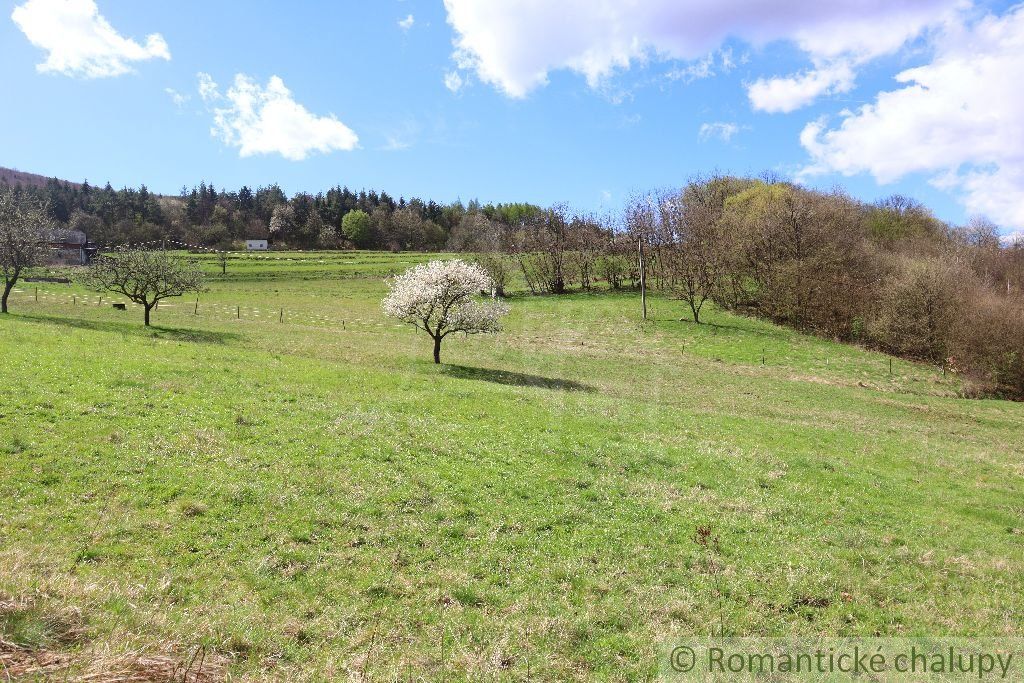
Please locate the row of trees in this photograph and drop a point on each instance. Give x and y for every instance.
(888, 275)
(209, 217)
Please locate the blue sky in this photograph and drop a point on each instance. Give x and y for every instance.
(557, 103)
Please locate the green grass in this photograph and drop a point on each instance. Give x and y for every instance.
(315, 502)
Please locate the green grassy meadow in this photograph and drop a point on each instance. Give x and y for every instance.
(287, 479)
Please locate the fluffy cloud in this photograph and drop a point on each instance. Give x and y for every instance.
(79, 41)
(957, 118)
(515, 44)
(838, 51)
(721, 130)
(268, 120)
(789, 93)
(406, 24)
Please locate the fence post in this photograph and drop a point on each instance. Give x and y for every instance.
(37, 295)
(643, 275)
(280, 318)
(196, 312)
(238, 312)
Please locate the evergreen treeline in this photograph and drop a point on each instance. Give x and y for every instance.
(215, 218)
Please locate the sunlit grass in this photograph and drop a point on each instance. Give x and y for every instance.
(314, 499)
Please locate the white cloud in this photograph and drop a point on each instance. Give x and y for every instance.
(79, 41)
(207, 87)
(957, 118)
(515, 44)
(178, 98)
(406, 24)
(1013, 238)
(268, 120)
(720, 129)
(707, 66)
(454, 81)
(789, 93)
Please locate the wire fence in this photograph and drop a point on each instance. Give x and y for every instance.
(230, 253)
(197, 308)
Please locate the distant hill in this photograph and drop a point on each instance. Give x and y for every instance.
(13, 176)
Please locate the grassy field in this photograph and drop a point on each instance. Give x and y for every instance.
(288, 480)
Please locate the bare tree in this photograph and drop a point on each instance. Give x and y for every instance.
(696, 259)
(542, 249)
(586, 239)
(475, 233)
(145, 277)
(24, 231)
(922, 307)
(499, 267)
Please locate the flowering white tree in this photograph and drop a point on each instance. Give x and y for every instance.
(440, 297)
(24, 231)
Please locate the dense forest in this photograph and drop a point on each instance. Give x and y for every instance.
(214, 218)
(887, 274)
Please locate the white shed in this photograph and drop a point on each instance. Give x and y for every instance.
(256, 245)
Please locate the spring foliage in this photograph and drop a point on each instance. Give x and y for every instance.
(145, 277)
(442, 297)
(24, 230)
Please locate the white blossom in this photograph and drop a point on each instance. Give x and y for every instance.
(441, 297)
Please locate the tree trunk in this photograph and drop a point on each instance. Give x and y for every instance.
(9, 283)
(437, 350)
(148, 307)
(696, 312)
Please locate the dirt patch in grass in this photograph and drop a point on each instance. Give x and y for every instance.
(36, 644)
(24, 663)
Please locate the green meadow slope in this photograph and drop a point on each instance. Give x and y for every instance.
(314, 499)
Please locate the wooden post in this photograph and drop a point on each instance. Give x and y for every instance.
(281, 318)
(890, 365)
(37, 295)
(238, 312)
(643, 275)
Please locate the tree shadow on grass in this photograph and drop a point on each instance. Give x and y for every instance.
(140, 330)
(515, 379)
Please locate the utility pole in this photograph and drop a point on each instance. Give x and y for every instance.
(643, 275)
